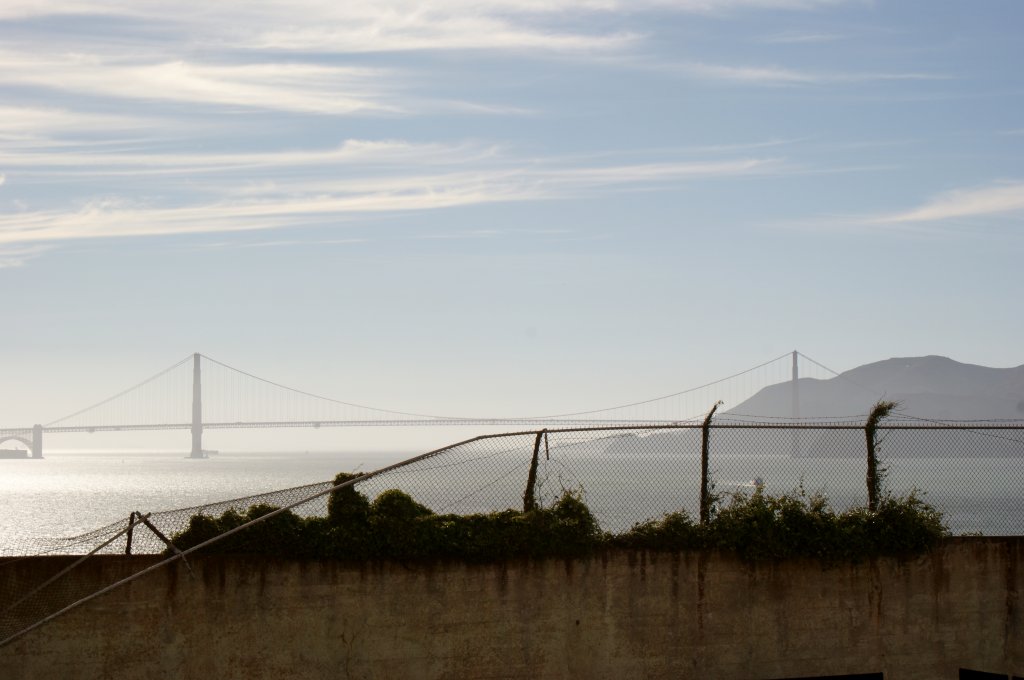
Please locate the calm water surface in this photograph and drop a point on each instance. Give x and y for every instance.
(68, 494)
(71, 493)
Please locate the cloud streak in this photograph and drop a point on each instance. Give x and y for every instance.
(1004, 198)
(795, 38)
(382, 19)
(945, 213)
(291, 87)
(358, 153)
(18, 256)
(777, 75)
(358, 26)
(297, 203)
(248, 58)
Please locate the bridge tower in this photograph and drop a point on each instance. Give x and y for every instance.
(795, 407)
(37, 441)
(197, 408)
(795, 411)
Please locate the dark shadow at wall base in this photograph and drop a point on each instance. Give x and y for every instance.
(855, 676)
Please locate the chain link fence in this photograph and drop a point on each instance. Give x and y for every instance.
(972, 473)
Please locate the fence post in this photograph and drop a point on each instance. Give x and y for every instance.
(529, 500)
(705, 492)
(131, 529)
(880, 410)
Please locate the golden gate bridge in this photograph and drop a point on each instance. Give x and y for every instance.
(200, 393)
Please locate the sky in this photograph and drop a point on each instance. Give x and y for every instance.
(498, 207)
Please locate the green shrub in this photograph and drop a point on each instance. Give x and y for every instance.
(757, 526)
(566, 529)
(674, 531)
(282, 534)
(907, 525)
(478, 537)
(761, 526)
(394, 531)
(347, 505)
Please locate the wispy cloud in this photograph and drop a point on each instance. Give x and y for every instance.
(717, 6)
(352, 152)
(476, 234)
(949, 213)
(422, 31)
(297, 203)
(293, 87)
(358, 26)
(39, 123)
(299, 9)
(281, 243)
(765, 75)
(18, 256)
(777, 75)
(376, 16)
(471, 234)
(796, 38)
(275, 57)
(164, 70)
(998, 199)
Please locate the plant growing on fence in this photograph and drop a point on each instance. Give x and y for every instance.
(876, 473)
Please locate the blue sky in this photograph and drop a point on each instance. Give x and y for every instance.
(503, 207)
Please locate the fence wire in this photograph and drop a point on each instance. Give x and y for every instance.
(972, 473)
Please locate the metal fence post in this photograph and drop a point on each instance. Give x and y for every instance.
(131, 529)
(705, 491)
(529, 499)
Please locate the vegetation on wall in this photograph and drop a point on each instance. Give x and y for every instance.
(754, 526)
(761, 526)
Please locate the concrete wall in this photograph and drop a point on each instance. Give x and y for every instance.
(622, 615)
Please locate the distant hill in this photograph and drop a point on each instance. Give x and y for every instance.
(932, 387)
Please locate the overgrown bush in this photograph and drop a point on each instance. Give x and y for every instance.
(395, 526)
(755, 526)
(907, 525)
(283, 534)
(567, 528)
(674, 531)
(346, 505)
(759, 526)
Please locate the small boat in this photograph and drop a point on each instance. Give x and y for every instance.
(755, 484)
(12, 454)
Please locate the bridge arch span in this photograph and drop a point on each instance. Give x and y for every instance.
(17, 438)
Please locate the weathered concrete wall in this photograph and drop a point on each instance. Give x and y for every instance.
(622, 615)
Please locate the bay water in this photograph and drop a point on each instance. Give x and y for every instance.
(67, 494)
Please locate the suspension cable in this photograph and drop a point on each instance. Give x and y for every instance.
(121, 393)
(667, 396)
(333, 401)
(839, 375)
(530, 418)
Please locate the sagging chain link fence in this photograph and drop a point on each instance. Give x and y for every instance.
(971, 472)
